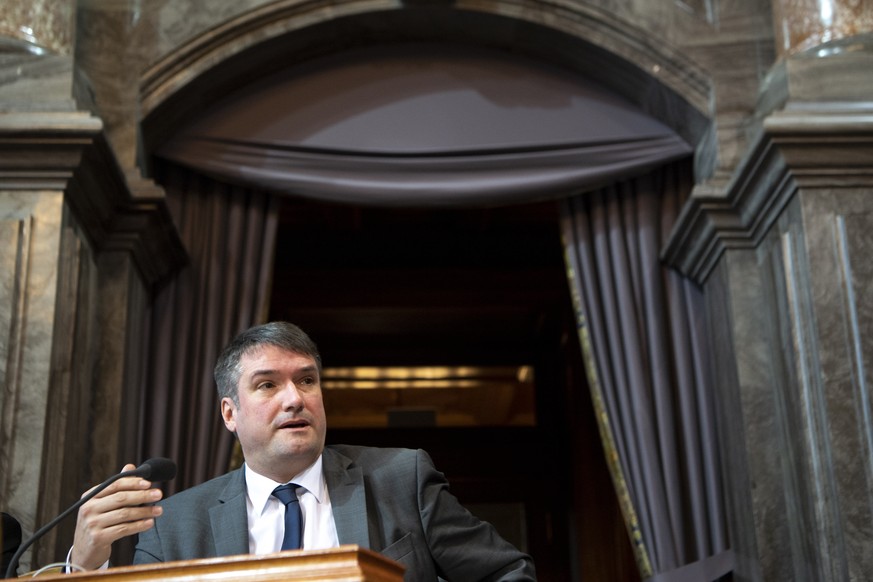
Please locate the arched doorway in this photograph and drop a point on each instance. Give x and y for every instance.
(478, 473)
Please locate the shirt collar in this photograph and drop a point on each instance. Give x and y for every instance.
(259, 488)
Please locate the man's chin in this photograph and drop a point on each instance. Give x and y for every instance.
(301, 452)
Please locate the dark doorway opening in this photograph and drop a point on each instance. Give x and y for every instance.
(474, 287)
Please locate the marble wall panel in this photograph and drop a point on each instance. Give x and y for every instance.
(750, 314)
(30, 223)
(799, 320)
(91, 358)
(839, 224)
(9, 234)
(68, 411)
(733, 435)
(855, 447)
(807, 478)
(117, 282)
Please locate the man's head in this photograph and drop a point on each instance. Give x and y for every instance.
(277, 333)
(269, 382)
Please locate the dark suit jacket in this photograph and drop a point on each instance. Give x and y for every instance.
(392, 501)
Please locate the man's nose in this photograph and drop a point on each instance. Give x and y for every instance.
(291, 397)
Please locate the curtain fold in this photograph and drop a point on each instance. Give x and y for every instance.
(641, 326)
(230, 234)
(423, 123)
(457, 178)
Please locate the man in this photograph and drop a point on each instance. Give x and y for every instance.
(392, 501)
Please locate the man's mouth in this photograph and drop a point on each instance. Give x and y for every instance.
(294, 424)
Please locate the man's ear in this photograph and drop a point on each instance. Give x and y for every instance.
(228, 413)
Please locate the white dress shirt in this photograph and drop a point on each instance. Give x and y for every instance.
(266, 514)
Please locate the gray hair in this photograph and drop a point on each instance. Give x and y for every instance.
(277, 333)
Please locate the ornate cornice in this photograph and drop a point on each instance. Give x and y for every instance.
(798, 148)
(69, 152)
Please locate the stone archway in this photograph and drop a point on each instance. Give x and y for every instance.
(587, 41)
(229, 58)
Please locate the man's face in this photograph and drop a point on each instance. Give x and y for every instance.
(280, 420)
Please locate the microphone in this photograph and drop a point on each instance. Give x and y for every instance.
(155, 469)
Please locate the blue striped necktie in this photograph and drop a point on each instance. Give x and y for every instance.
(287, 494)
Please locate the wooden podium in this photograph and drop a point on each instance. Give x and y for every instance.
(345, 563)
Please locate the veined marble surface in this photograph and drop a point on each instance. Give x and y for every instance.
(804, 24)
(38, 26)
(30, 227)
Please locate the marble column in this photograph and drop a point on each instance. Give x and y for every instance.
(37, 78)
(83, 249)
(85, 241)
(783, 253)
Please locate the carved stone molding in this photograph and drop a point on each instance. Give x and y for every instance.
(811, 147)
(816, 132)
(68, 152)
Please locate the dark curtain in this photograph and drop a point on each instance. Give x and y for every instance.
(229, 232)
(474, 177)
(415, 123)
(642, 328)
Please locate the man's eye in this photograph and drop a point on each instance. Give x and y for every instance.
(265, 385)
(308, 381)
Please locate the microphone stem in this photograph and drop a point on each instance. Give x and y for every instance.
(13, 564)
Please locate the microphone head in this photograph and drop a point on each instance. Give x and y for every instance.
(157, 469)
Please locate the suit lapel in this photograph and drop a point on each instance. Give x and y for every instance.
(228, 518)
(347, 499)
